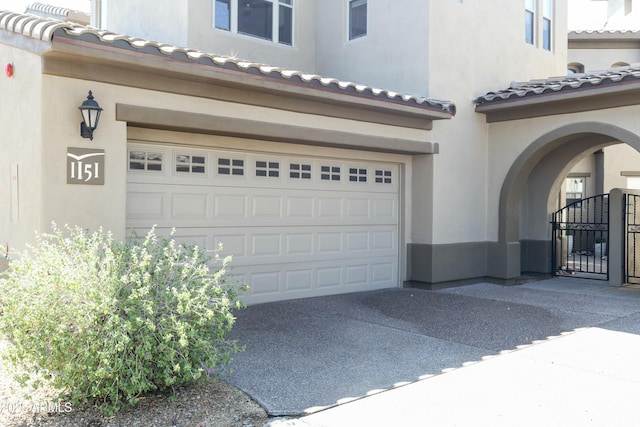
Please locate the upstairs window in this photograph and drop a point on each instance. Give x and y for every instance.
(357, 19)
(538, 23)
(529, 21)
(265, 19)
(547, 17)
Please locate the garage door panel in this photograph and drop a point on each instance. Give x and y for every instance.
(357, 208)
(356, 275)
(318, 279)
(294, 226)
(329, 277)
(298, 280)
(300, 207)
(269, 207)
(265, 245)
(234, 245)
(329, 242)
(190, 206)
(145, 205)
(230, 206)
(299, 244)
(384, 209)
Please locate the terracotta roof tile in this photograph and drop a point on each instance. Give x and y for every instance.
(44, 29)
(562, 84)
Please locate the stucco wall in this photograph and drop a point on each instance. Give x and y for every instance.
(393, 55)
(164, 21)
(21, 139)
(469, 57)
(617, 159)
(603, 59)
(509, 140)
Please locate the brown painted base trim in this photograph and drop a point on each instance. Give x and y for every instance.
(535, 256)
(458, 264)
(525, 278)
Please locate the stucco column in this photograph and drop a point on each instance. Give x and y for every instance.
(599, 178)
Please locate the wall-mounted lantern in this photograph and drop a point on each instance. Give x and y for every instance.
(90, 115)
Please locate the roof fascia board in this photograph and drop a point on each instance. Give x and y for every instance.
(181, 121)
(571, 101)
(28, 44)
(604, 44)
(137, 76)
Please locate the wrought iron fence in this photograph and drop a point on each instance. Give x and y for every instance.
(580, 232)
(632, 238)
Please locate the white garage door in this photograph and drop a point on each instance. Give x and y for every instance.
(296, 226)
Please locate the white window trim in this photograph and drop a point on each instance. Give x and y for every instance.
(233, 24)
(539, 16)
(547, 17)
(533, 24)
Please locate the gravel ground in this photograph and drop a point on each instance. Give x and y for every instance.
(213, 404)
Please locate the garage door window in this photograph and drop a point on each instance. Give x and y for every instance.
(145, 160)
(357, 175)
(190, 164)
(299, 171)
(330, 173)
(383, 177)
(230, 167)
(268, 169)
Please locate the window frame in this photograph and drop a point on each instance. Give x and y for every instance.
(232, 23)
(578, 193)
(530, 22)
(539, 21)
(351, 6)
(547, 24)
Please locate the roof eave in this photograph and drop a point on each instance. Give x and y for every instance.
(569, 101)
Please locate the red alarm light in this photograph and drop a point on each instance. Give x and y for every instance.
(8, 69)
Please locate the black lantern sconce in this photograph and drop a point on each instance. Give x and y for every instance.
(90, 115)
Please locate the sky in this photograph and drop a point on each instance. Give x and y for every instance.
(21, 5)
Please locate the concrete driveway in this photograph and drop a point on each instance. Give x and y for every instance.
(444, 350)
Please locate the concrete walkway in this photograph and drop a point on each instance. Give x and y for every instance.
(557, 352)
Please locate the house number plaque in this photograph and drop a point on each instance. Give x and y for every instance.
(85, 166)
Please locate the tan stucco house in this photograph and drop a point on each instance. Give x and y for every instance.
(315, 184)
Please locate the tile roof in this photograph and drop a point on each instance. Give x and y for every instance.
(47, 29)
(603, 31)
(564, 84)
(56, 12)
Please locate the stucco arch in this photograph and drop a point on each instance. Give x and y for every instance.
(538, 171)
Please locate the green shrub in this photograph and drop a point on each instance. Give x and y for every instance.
(108, 321)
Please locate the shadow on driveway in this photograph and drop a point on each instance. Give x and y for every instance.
(305, 355)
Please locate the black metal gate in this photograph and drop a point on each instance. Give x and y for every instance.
(632, 238)
(579, 239)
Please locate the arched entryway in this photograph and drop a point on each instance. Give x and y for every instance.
(529, 194)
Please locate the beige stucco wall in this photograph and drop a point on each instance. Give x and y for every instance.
(494, 55)
(508, 140)
(161, 21)
(20, 140)
(603, 59)
(617, 160)
(394, 54)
